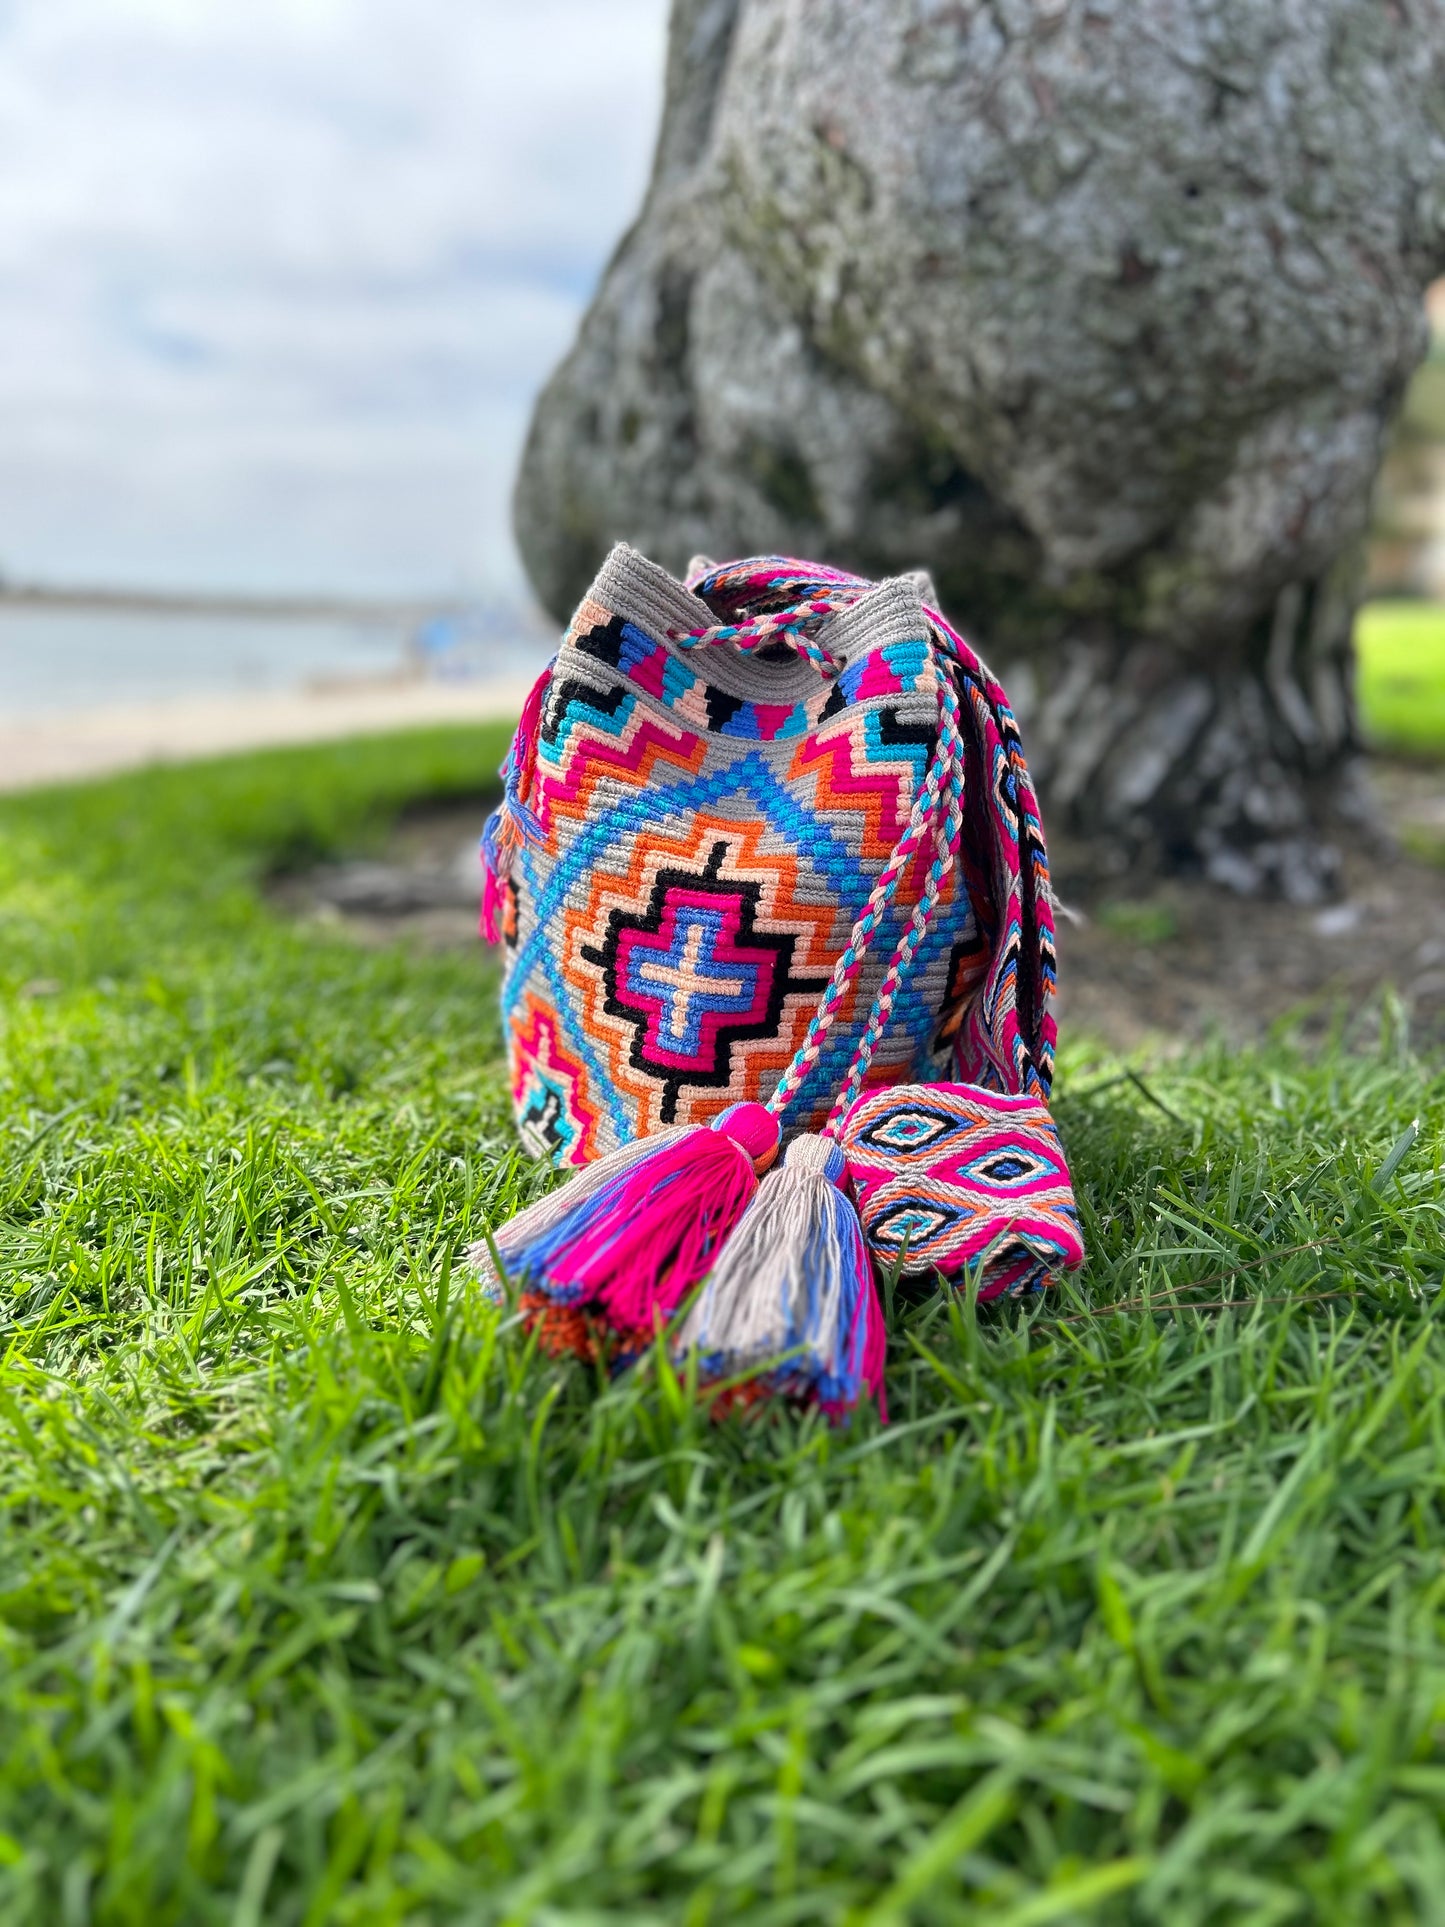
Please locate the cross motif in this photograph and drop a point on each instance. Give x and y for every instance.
(693, 975)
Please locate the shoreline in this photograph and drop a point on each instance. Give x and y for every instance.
(66, 746)
(227, 604)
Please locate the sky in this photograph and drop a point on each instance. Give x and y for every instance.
(279, 279)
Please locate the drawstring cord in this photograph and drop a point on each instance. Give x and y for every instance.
(937, 817)
(788, 627)
(947, 839)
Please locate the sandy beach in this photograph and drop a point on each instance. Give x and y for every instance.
(70, 745)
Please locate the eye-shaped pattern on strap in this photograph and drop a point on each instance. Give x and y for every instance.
(950, 1175)
(905, 1130)
(1013, 1167)
(912, 1223)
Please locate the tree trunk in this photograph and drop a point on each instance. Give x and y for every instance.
(1098, 309)
(1242, 768)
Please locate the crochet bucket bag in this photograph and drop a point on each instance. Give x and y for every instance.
(769, 863)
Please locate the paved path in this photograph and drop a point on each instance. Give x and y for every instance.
(66, 746)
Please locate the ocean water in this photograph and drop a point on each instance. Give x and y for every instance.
(55, 659)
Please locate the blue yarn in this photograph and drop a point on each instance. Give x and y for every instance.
(491, 829)
(540, 1263)
(837, 1228)
(535, 1265)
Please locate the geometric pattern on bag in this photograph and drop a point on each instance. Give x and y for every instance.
(696, 858)
(948, 1175)
(769, 856)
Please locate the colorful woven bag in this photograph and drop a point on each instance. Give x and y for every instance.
(768, 857)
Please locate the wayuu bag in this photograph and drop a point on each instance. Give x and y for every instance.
(768, 862)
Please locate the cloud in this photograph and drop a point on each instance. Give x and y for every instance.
(279, 278)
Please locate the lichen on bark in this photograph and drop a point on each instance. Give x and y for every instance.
(1097, 309)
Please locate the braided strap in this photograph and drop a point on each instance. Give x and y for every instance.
(937, 800)
(787, 626)
(947, 836)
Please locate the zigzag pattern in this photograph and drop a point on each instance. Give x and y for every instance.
(880, 787)
(588, 745)
(685, 854)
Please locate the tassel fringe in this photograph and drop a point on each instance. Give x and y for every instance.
(606, 1262)
(794, 1285)
(539, 1218)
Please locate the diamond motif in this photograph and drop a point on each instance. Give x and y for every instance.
(1010, 1169)
(917, 1222)
(911, 1127)
(998, 1194)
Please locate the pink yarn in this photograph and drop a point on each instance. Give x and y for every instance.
(524, 743)
(665, 1220)
(494, 898)
(755, 1128)
(670, 1218)
(507, 830)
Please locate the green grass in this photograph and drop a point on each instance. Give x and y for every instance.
(1422, 414)
(1400, 659)
(324, 1598)
(1145, 924)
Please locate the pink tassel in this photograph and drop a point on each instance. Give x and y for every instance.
(631, 1252)
(671, 1219)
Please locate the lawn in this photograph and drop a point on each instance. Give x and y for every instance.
(324, 1598)
(1400, 652)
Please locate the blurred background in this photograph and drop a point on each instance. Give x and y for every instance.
(279, 280)
(279, 283)
(1400, 633)
(293, 291)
